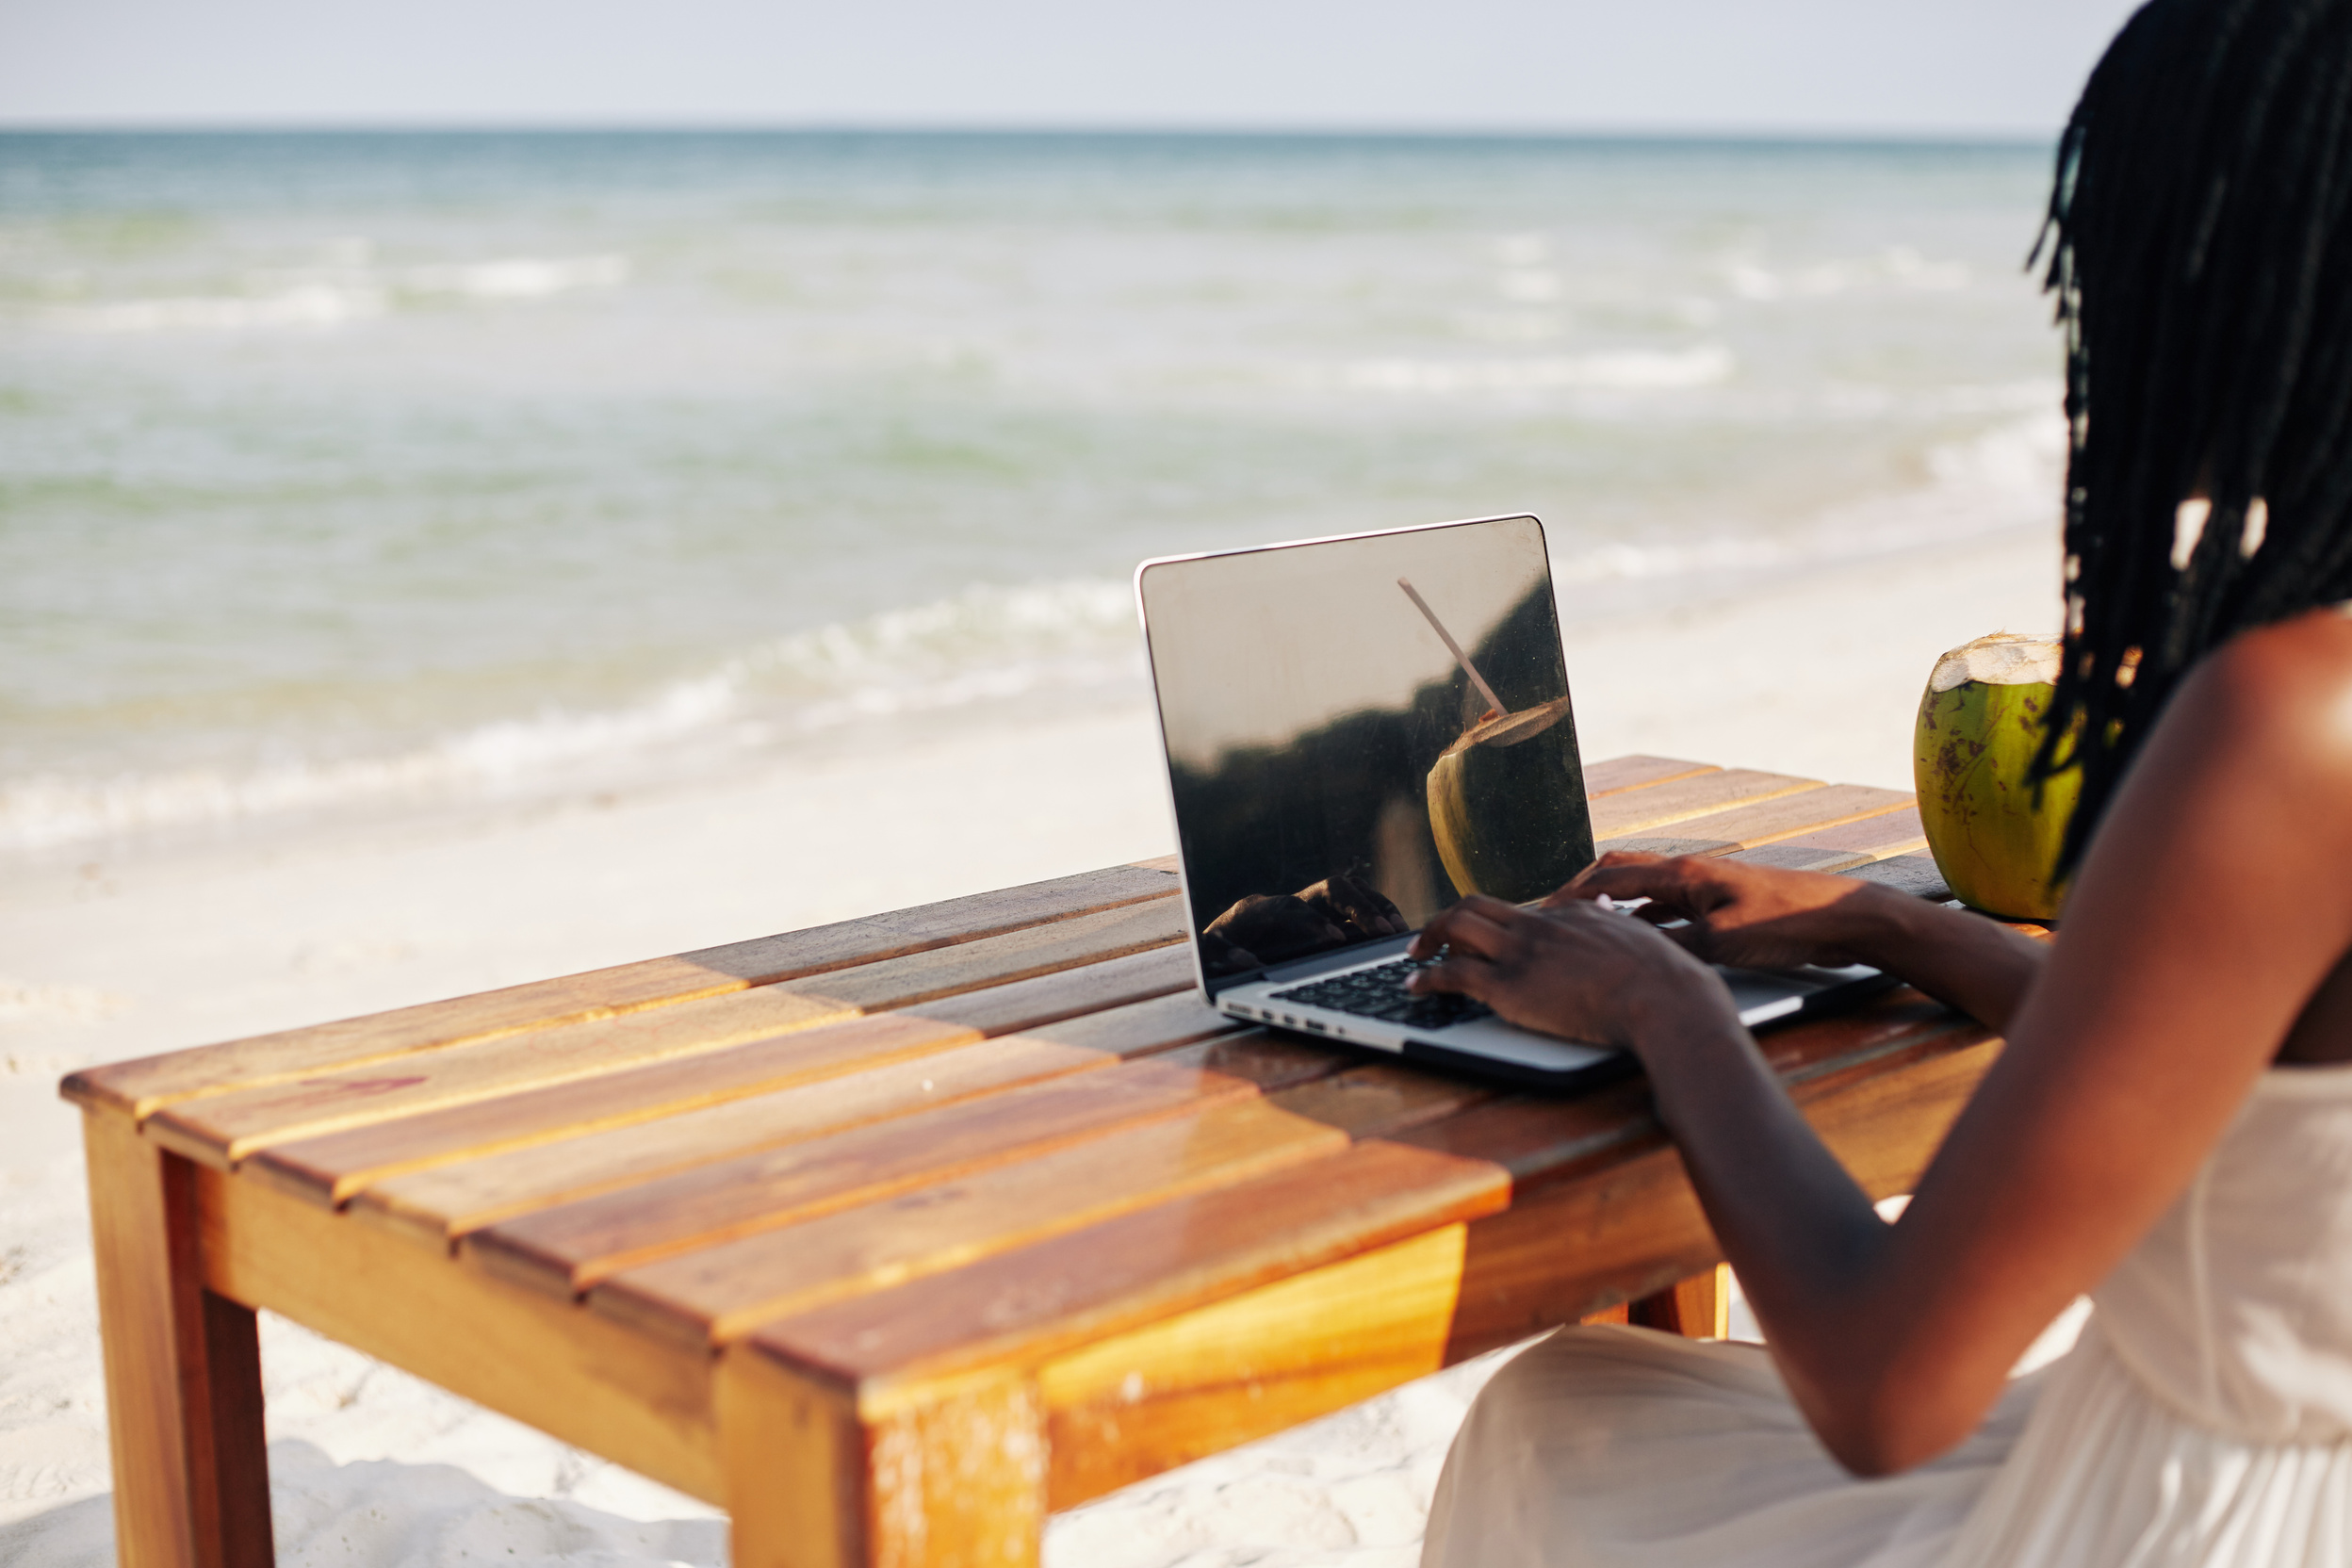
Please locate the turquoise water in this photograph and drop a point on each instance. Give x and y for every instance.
(351, 468)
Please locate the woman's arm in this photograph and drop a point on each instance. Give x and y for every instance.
(1768, 918)
(2215, 900)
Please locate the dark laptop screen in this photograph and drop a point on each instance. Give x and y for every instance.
(1339, 773)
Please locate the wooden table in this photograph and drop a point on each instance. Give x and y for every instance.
(892, 1236)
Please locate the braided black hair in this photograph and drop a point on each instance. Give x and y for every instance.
(2202, 263)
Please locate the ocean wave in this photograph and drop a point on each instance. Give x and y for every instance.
(340, 295)
(308, 305)
(1625, 370)
(2009, 476)
(1898, 267)
(518, 277)
(986, 645)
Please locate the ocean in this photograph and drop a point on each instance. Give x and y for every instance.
(361, 473)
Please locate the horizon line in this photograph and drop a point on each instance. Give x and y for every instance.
(1239, 130)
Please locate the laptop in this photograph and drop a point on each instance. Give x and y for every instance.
(1360, 732)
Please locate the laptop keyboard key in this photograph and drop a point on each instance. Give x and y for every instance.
(1379, 992)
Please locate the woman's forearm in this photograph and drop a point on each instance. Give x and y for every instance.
(1966, 960)
(1808, 1246)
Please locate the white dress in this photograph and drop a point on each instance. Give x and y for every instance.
(2203, 1420)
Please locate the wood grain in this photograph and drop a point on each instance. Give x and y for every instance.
(795, 1457)
(1807, 811)
(1698, 1307)
(716, 1294)
(958, 1478)
(1618, 816)
(1914, 874)
(637, 1402)
(222, 1129)
(1618, 774)
(1377, 1099)
(434, 1206)
(1262, 1058)
(1028, 1006)
(988, 961)
(1027, 1306)
(1162, 1024)
(1854, 844)
(1197, 1384)
(1630, 1208)
(182, 1368)
(334, 1167)
(138, 1087)
(569, 1249)
(1541, 1140)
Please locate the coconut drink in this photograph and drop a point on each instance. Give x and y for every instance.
(1979, 723)
(1501, 809)
(1505, 808)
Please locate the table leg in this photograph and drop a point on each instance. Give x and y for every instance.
(192, 1472)
(1696, 1308)
(955, 1481)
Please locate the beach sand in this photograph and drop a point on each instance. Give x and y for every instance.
(126, 951)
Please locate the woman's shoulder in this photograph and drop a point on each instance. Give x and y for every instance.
(2280, 694)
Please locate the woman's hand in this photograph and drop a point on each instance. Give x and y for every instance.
(1578, 972)
(1755, 917)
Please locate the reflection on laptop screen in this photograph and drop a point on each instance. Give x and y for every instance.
(1339, 774)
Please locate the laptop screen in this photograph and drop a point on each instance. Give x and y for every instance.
(1360, 732)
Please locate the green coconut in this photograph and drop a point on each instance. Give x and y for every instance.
(1979, 723)
(1504, 807)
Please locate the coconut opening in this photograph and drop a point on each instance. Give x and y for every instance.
(2003, 659)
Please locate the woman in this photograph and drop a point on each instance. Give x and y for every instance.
(2170, 1126)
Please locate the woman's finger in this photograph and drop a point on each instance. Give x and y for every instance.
(1462, 973)
(1472, 924)
(1620, 874)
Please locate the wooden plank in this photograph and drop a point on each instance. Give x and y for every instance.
(1270, 1060)
(569, 1249)
(1222, 1375)
(1377, 1099)
(1620, 773)
(957, 1478)
(222, 1129)
(795, 1463)
(334, 1167)
(1914, 874)
(1807, 811)
(1034, 950)
(715, 1294)
(138, 1087)
(1026, 1006)
(434, 1205)
(638, 1401)
(1840, 848)
(1617, 816)
(1162, 1024)
(1170, 863)
(1638, 1226)
(182, 1368)
(1541, 1140)
(1031, 1305)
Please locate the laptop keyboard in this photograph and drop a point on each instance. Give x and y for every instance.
(1379, 992)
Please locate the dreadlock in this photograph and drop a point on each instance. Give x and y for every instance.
(2202, 266)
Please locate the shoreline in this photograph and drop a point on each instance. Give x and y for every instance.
(120, 951)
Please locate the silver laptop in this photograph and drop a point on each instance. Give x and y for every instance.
(1360, 732)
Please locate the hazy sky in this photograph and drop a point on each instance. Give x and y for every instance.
(1908, 66)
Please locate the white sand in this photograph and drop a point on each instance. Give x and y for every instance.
(130, 952)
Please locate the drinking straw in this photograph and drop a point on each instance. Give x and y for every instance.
(1451, 646)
